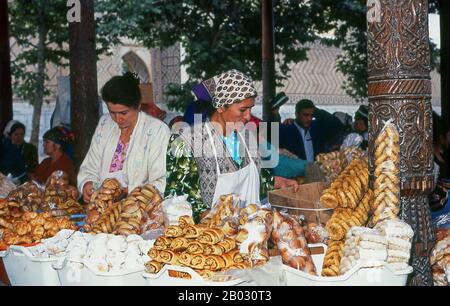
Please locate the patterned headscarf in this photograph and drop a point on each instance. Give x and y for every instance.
(60, 135)
(229, 87)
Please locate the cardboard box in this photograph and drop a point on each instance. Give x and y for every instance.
(303, 202)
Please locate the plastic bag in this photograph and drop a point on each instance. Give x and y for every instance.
(175, 207)
(225, 215)
(315, 233)
(289, 237)
(352, 140)
(27, 197)
(386, 203)
(254, 233)
(57, 178)
(269, 274)
(6, 185)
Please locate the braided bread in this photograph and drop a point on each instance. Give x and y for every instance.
(332, 258)
(349, 187)
(386, 204)
(345, 218)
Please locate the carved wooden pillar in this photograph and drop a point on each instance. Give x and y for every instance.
(400, 90)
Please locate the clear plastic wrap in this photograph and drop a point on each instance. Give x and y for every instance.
(57, 178)
(6, 186)
(352, 140)
(27, 197)
(254, 234)
(386, 204)
(289, 237)
(175, 207)
(225, 215)
(315, 233)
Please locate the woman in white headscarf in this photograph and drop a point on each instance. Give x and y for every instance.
(218, 156)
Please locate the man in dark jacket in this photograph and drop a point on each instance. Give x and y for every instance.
(301, 137)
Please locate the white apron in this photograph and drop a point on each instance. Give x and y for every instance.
(245, 182)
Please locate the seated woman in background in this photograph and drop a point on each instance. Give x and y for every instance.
(17, 157)
(56, 140)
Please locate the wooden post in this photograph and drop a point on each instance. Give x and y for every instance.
(268, 60)
(400, 91)
(6, 109)
(83, 80)
(444, 10)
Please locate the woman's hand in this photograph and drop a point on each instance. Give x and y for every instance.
(282, 182)
(88, 190)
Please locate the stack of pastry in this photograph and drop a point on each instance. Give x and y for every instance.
(386, 204)
(363, 244)
(344, 218)
(440, 258)
(129, 215)
(399, 235)
(204, 249)
(337, 226)
(332, 258)
(349, 187)
(289, 237)
(254, 235)
(33, 227)
(60, 197)
(109, 192)
(27, 197)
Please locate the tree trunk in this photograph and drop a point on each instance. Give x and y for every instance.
(6, 112)
(38, 99)
(83, 81)
(268, 59)
(445, 58)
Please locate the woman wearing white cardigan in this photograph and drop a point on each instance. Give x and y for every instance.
(128, 144)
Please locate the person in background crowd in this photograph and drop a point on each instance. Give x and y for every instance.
(56, 141)
(361, 124)
(300, 138)
(128, 145)
(441, 145)
(17, 157)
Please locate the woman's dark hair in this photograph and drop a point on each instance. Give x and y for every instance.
(122, 90)
(16, 126)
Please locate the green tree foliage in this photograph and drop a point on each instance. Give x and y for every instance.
(216, 35)
(347, 19)
(40, 30)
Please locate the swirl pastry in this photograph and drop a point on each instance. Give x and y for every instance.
(195, 247)
(194, 231)
(198, 261)
(153, 253)
(214, 263)
(153, 266)
(185, 259)
(168, 257)
(162, 243)
(179, 244)
(211, 236)
(173, 231)
(184, 221)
